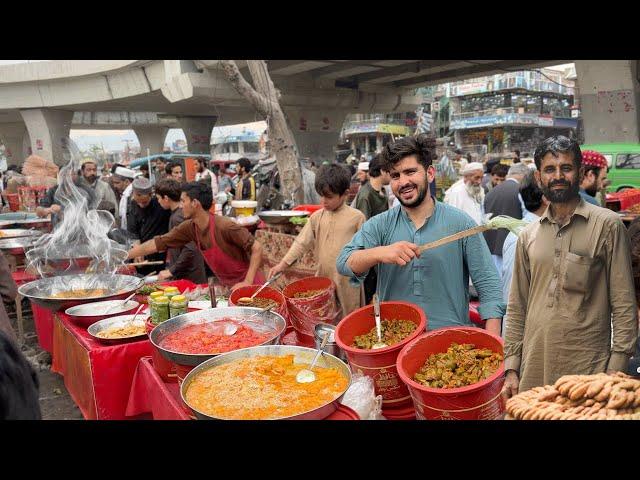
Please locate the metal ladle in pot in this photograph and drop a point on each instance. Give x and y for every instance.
(306, 375)
(231, 328)
(249, 300)
(376, 310)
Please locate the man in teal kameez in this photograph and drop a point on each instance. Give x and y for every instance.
(436, 280)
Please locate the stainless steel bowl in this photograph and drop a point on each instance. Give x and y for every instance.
(280, 217)
(331, 347)
(118, 321)
(301, 355)
(271, 320)
(88, 313)
(40, 291)
(18, 232)
(17, 246)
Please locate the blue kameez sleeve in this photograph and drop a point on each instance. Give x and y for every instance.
(370, 235)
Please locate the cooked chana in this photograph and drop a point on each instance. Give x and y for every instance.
(393, 331)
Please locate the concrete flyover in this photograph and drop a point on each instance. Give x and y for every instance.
(41, 102)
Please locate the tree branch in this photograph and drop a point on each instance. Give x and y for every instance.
(259, 102)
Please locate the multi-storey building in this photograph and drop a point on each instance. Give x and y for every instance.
(511, 111)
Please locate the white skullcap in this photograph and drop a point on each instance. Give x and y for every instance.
(363, 166)
(125, 172)
(472, 167)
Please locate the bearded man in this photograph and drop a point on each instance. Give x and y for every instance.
(436, 280)
(572, 308)
(595, 175)
(468, 194)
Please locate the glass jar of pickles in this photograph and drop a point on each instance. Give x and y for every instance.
(159, 309)
(171, 292)
(178, 305)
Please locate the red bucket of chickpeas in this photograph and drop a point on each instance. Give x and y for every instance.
(454, 373)
(356, 335)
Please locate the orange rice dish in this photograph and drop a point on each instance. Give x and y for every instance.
(262, 388)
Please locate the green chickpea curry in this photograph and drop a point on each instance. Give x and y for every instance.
(393, 331)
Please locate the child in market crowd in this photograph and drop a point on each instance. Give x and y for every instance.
(327, 231)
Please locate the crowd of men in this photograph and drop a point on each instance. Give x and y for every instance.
(563, 294)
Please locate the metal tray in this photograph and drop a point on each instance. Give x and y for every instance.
(280, 217)
(120, 320)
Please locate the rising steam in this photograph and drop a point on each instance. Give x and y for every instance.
(79, 242)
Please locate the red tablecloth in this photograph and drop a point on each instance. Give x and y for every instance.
(97, 376)
(149, 394)
(43, 321)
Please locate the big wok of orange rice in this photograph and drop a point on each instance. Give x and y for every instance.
(262, 388)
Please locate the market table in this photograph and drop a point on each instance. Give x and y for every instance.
(151, 395)
(97, 376)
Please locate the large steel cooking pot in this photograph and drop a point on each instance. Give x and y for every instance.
(40, 291)
(301, 355)
(271, 320)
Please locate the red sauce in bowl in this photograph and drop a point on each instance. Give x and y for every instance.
(206, 338)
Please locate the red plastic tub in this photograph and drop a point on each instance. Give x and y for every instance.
(164, 367)
(14, 201)
(305, 313)
(480, 401)
(380, 364)
(267, 292)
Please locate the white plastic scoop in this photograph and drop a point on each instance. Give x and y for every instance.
(306, 375)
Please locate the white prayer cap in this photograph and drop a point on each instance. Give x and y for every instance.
(363, 166)
(472, 167)
(125, 172)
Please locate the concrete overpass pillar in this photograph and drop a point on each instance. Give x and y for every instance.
(197, 131)
(12, 136)
(151, 137)
(316, 132)
(49, 131)
(609, 100)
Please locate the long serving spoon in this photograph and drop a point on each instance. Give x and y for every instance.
(307, 375)
(248, 300)
(376, 310)
(232, 328)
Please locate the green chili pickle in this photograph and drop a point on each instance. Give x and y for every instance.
(178, 305)
(159, 310)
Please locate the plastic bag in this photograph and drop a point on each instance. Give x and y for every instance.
(306, 312)
(361, 398)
